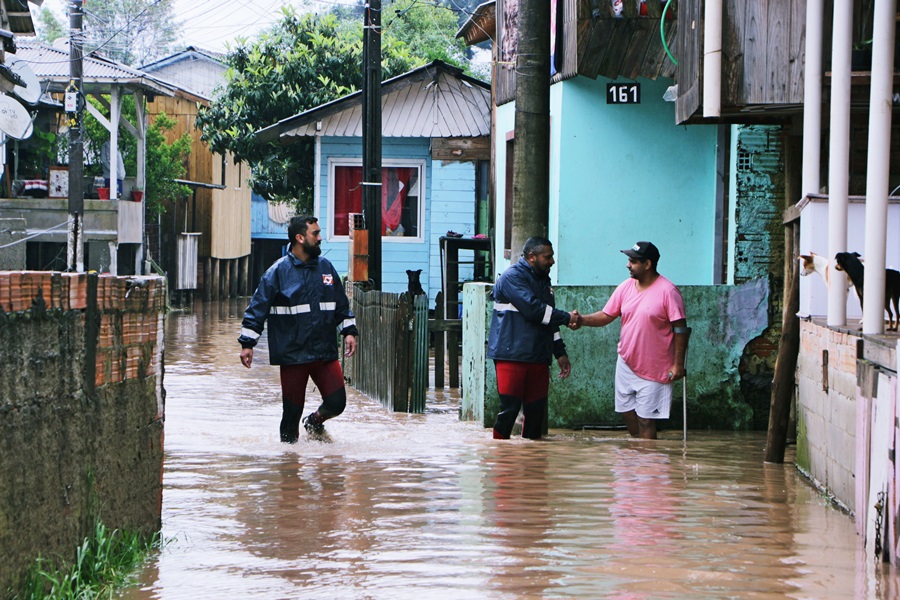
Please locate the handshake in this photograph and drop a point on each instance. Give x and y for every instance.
(575, 321)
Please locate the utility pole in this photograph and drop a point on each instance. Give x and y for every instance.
(74, 105)
(531, 163)
(371, 125)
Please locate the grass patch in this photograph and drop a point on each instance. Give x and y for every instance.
(103, 562)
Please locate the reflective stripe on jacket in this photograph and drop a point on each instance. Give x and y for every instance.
(525, 324)
(305, 305)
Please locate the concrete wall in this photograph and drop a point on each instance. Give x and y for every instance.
(12, 250)
(81, 411)
(724, 320)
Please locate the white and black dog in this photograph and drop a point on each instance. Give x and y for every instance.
(849, 263)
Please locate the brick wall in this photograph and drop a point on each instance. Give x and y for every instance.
(826, 409)
(81, 410)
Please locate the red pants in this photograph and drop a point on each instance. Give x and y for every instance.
(523, 386)
(327, 376)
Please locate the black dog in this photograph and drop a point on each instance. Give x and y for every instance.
(849, 263)
(414, 287)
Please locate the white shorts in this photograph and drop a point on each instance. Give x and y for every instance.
(648, 399)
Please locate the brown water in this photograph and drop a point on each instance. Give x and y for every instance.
(424, 506)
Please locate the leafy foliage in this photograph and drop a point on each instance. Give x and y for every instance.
(103, 562)
(428, 30)
(131, 31)
(165, 163)
(49, 28)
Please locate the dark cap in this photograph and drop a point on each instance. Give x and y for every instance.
(643, 251)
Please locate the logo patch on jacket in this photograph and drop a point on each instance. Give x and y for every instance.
(328, 279)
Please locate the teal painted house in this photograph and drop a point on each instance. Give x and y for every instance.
(436, 139)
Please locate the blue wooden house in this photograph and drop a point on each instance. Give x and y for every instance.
(435, 147)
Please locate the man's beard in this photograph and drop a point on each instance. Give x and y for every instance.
(313, 250)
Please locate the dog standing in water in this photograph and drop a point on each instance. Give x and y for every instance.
(849, 263)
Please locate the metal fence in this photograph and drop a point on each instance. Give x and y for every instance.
(391, 364)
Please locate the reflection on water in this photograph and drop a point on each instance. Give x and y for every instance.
(423, 506)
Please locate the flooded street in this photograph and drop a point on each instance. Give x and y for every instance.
(424, 506)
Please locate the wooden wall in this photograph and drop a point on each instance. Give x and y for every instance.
(763, 45)
(230, 215)
(763, 52)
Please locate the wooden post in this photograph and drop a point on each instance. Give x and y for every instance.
(453, 358)
(207, 279)
(788, 349)
(439, 343)
(214, 283)
(245, 275)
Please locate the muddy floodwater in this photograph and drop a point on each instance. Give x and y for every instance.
(425, 506)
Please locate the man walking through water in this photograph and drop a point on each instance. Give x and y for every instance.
(302, 297)
(652, 344)
(524, 337)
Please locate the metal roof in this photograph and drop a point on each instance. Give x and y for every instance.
(51, 65)
(435, 100)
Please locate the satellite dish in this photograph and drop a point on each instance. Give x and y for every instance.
(15, 121)
(30, 92)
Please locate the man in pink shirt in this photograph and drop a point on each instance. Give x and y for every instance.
(652, 344)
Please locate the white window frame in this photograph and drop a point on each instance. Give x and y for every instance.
(420, 164)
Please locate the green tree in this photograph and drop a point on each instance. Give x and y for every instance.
(49, 28)
(428, 29)
(165, 163)
(301, 62)
(133, 32)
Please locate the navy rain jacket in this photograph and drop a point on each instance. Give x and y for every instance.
(305, 305)
(524, 324)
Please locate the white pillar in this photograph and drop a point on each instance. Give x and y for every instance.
(879, 163)
(839, 156)
(115, 112)
(712, 58)
(812, 99)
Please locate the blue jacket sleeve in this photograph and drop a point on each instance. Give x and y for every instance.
(559, 346)
(257, 311)
(531, 307)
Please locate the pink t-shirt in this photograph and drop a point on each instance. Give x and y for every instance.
(646, 340)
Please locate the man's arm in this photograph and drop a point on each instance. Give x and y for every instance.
(677, 371)
(597, 319)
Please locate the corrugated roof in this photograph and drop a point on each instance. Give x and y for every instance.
(435, 100)
(51, 64)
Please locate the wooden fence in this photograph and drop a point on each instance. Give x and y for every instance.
(391, 364)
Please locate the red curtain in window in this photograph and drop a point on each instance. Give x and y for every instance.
(347, 197)
(394, 187)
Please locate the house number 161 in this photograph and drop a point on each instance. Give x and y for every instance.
(623, 93)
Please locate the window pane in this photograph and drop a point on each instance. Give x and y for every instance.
(399, 199)
(347, 197)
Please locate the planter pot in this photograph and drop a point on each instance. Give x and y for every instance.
(137, 195)
(103, 193)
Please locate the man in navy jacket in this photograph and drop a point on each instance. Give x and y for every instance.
(524, 337)
(302, 298)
